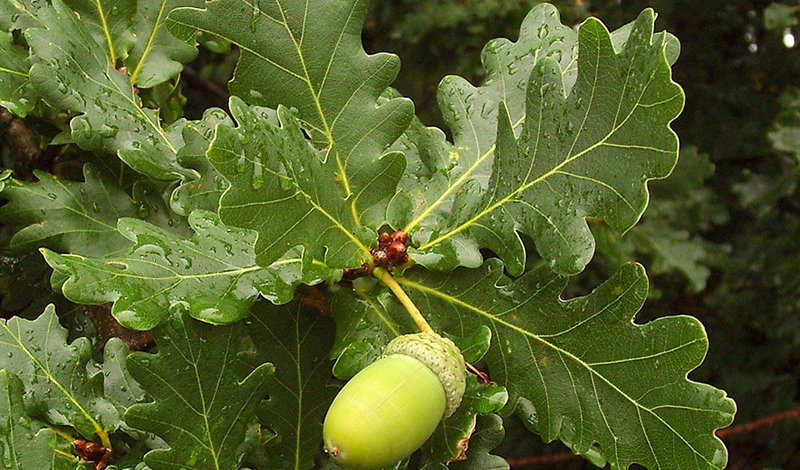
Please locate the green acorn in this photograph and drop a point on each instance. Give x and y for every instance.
(390, 408)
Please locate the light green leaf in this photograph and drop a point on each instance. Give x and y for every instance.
(4, 176)
(75, 73)
(779, 16)
(120, 388)
(670, 233)
(583, 370)
(280, 188)
(69, 216)
(308, 55)
(203, 189)
(785, 134)
(455, 435)
(296, 340)
(201, 406)
(584, 150)
(54, 372)
(668, 249)
(26, 443)
(157, 55)
(16, 93)
(212, 274)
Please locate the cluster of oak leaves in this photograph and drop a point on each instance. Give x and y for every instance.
(204, 232)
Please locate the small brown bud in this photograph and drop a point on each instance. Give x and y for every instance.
(89, 450)
(400, 236)
(397, 252)
(384, 239)
(380, 258)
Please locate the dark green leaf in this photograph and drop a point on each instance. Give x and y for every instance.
(455, 435)
(589, 374)
(69, 216)
(280, 188)
(308, 55)
(584, 151)
(59, 388)
(110, 24)
(489, 435)
(26, 443)
(670, 233)
(158, 56)
(16, 93)
(25, 285)
(120, 388)
(212, 274)
(203, 189)
(201, 406)
(296, 341)
(20, 14)
(363, 328)
(79, 76)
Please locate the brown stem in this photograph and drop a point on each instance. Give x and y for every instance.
(483, 377)
(759, 423)
(195, 78)
(24, 146)
(108, 327)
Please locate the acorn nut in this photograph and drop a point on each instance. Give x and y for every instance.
(393, 406)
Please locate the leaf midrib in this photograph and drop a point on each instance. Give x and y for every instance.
(150, 41)
(476, 164)
(311, 200)
(541, 339)
(98, 428)
(556, 169)
(106, 32)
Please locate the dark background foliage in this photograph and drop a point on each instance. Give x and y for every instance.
(721, 243)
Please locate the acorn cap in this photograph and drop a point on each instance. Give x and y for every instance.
(441, 356)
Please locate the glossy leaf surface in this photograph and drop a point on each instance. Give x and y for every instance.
(583, 352)
(213, 274)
